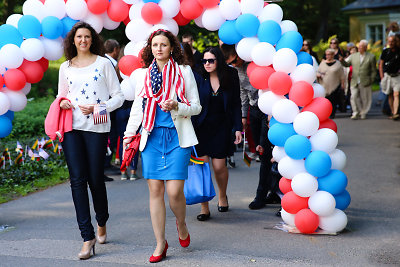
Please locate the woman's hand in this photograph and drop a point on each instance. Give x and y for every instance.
(238, 138)
(169, 105)
(124, 144)
(86, 109)
(66, 104)
(260, 149)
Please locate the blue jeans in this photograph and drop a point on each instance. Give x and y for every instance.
(84, 153)
(122, 117)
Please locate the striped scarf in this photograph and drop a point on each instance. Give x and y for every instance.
(158, 88)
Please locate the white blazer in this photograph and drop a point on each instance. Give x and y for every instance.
(180, 117)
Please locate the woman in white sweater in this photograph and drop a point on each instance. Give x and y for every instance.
(88, 80)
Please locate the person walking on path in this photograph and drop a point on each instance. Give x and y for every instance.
(166, 98)
(363, 75)
(88, 80)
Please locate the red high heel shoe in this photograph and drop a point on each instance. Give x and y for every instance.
(154, 259)
(186, 242)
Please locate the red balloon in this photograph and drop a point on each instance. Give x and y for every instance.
(209, 3)
(44, 63)
(151, 13)
(14, 79)
(191, 9)
(306, 221)
(32, 70)
(97, 6)
(1, 81)
(127, 64)
(181, 20)
(292, 203)
(126, 20)
(301, 93)
(250, 68)
(328, 124)
(321, 107)
(259, 77)
(280, 83)
(118, 10)
(285, 185)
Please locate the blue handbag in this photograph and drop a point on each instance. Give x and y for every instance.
(199, 186)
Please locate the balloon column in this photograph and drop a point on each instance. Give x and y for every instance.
(305, 138)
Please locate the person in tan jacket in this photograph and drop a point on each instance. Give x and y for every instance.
(364, 72)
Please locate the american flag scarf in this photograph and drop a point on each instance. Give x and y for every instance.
(157, 88)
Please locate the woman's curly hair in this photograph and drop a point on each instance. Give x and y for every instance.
(177, 54)
(97, 46)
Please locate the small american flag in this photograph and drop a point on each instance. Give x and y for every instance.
(100, 114)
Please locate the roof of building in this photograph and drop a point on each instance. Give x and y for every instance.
(362, 4)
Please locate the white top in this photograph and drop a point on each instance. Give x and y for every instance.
(93, 84)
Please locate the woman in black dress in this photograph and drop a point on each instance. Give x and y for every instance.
(220, 116)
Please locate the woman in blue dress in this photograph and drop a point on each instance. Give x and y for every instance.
(166, 98)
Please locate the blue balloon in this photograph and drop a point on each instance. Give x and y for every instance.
(280, 132)
(297, 147)
(342, 200)
(334, 182)
(228, 34)
(318, 163)
(269, 31)
(304, 58)
(5, 126)
(29, 26)
(52, 27)
(247, 25)
(292, 40)
(9, 114)
(272, 121)
(68, 23)
(154, 1)
(10, 35)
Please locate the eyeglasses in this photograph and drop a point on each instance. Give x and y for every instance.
(333, 43)
(209, 60)
(233, 61)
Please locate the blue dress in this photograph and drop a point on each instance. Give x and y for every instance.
(163, 158)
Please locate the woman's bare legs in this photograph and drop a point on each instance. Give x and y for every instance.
(157, 213)
(221, 176)
(177, 203)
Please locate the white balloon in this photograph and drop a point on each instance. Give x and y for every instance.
(129, 49)
(11, 56)
(158, 27)
(288, 25)
(127, 90)
(245, 46)
(263, 54)
(212, 19)
(230, 9)
(285, 60)
(338, 158)
(336, 222)
(252, 6)
(135, 12)
(4, 103)
(34, 8)
(271, 12)
(2, 70)
(13, 20)
(322, 203)
(319, 90)
(138, 47)
(315, 63)
(171, 24)
(278, 153)
(262, 91)
(304, 72)
(123, 76)
(26, 89)
(96, 21)
(76, 9)
(108, 23)
(285, 111)
(267, 100)
(324, 139)
(32, 49)
(287, 217)
(137, 30)
(170, 8)
(54, 8)
(199, 20)
(306, 123)
(17, 100)
(131, 2)
(289, 167)
(53, 49)
(304, 184)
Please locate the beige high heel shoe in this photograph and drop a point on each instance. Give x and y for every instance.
(87, 247)
(101, 235)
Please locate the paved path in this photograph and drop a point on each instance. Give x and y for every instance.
(45, 233)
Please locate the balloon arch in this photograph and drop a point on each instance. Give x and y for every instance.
(305, 138)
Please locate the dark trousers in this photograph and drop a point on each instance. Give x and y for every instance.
(122, 117)
(84, 153)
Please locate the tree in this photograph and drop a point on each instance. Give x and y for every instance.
(9, 7)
